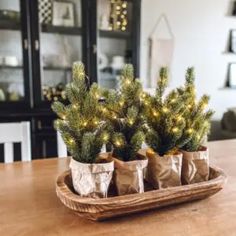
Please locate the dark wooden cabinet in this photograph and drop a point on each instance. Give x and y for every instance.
(46, 55)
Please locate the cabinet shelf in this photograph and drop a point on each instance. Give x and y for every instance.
(9, 25)
(229, 53)
(53, 68)
(57, 68)
(61, 30)
(114, 34)
(228, 88)
(2, 67)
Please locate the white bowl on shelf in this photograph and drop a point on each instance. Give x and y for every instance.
(10, 61)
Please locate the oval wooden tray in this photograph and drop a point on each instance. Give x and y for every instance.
(100, 209)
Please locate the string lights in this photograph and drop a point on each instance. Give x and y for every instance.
(118, 143)
(155, 113)
(74, 106)
(179, 118)
(105, 137)
(175, 130)
(71, 141)
(131, 121)
(165, 109)
(118, 15)
(190, 130)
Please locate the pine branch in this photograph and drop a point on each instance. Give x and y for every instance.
(81, 123)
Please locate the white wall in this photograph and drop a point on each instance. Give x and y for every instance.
(201, 31)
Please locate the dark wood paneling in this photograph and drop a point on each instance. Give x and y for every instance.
(135, 37)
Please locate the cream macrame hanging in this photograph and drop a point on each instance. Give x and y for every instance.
(161, 48)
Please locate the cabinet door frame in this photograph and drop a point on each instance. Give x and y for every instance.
(24, 30)
(134, 37)
(36, 53)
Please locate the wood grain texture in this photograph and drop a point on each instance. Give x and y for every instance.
(30, 206)
(104, 208)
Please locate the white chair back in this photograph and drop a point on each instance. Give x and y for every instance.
(11, 133)
(61, 147)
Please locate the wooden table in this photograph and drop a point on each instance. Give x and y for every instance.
(29, 206)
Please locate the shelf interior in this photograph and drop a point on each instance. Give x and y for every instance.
(114, 34)
(61, 30)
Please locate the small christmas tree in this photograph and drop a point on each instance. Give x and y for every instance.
(197, 119)
(80, 123)
(123, 113)
(166, 124)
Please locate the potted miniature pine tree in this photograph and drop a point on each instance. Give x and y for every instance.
(195, 156)
(123, 113)
(84, 134)
(165, 135)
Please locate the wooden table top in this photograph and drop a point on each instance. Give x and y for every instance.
(29, 205)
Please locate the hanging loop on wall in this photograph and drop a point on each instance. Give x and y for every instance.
(161, 48)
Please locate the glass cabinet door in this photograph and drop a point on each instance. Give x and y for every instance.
(12, 30)
(114, 48)
(59, 44)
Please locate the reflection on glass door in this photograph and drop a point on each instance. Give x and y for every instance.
(60, 43)
(11, 60)
(114, 40)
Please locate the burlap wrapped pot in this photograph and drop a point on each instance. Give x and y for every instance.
(129, 176)
(195, 167)
(164, 171)
(91, 180)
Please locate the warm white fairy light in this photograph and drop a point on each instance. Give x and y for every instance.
(143, 95)
(121, 103)
(71, 141)
(127, 82)
(118, 143)
(131, 121)
(105, 137)
(124, 5)
(96, 95)
(165, 109)
(155, 113)
(75, 106)
(204, 105)
(81, 74)
(190, 130)
(175, 130)
(104, 110)
(179, 118)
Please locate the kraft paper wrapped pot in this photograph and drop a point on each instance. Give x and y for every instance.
(129, 176)
(195, 167)
(164, 171)
(91, 180)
